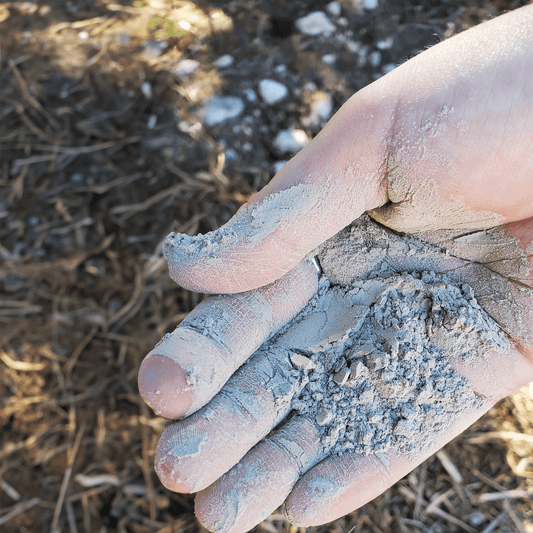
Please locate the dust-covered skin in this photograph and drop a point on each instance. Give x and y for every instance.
(221, 450)
(441, 142)
(439, 148)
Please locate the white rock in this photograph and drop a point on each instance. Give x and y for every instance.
(353, 46)
(385, 44)
(146, 89)
(375, 58)
(83, 35)
(290, 141)
(223, 61)
(316, 23)
(184, 25)
(405, 428)
(367, 396)
(249, 94)
(154, 49)
(190, 128)
(370, 4)
(280, 69)
(389, 67)
(231, 155)
(320, 110)
(272, 91)
(185, 68)
(334, 9)
(152, 121)
(221, 108)
(278, 165)
(329, 59)
(379, 362)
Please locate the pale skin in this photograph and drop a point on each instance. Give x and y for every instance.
(458, 116)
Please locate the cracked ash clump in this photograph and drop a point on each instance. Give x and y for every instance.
(387, 384)
(371, 359)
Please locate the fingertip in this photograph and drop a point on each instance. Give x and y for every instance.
(214, 515)
(234, 264)
(166, 472)
(178, 444)
(163, 386)
(339, 485)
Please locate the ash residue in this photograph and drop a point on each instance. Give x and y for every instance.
(370, 358)
(388, 383)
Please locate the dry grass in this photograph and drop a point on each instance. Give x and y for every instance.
(89, 188)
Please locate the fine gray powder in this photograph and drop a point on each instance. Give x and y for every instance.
(368, 361)
(368, 358)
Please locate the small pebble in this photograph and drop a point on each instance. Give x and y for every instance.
(385, 44)
(367, 396)
(341, 377)
(188, 127)
(375, 58)
(370, 4)
(358, 369)
(334, 9)
(185, 68)
(316, 23)
(249, 94)
(153, 49)
(353, 46)
(476, 518)
(224, 61)
(290, 141)
(231, 155)
(300, 361)
(152, 121)
(272, 91)
(146, 89)
(222, 108)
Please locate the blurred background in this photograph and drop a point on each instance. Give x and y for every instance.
(121, 121)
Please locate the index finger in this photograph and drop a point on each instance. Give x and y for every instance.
(331, 182)
(188, 367)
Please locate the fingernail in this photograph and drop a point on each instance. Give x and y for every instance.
(163, 386)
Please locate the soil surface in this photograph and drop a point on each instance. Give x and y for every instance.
(110, 138)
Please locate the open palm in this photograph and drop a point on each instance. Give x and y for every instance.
(424, 157)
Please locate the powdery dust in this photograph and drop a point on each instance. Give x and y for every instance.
(370, 357)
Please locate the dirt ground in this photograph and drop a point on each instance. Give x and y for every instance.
(102, 152)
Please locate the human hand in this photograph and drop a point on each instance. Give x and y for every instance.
(414, 139)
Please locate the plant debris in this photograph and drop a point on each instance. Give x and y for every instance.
(103, 152)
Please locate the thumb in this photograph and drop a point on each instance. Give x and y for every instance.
(331, 182)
